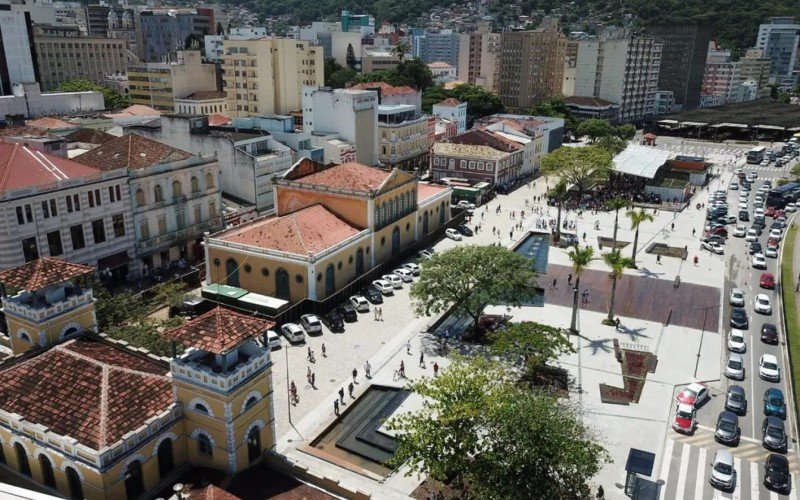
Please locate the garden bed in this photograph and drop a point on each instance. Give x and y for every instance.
(605, 242)
(635, 366)
(665, 250)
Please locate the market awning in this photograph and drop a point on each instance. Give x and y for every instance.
(641, 161)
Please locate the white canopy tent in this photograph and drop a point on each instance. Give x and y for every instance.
(641, 161)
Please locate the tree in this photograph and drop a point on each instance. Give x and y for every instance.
(595, 128)
(616, 204)
(480, 102)
(336, 75)
(491, 438)
(113, 100)
(614, 145)
(350, 58)
(626, 132)
(537, 343)
(559, 193)
(580, 258)
(146, 333)
(582, 166)
(412, 72)
(433, 95)
(400, 50)
(470, 277)
(617, 263)
(784, 98)
(554, 107)
(796, 170)
(220, 29)
(637, 217)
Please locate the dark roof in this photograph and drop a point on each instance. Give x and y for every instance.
(206, 95)
(580, 100)
(218, 331)
(131, 151)
(41, 273)
(86, 389)
(89, 136)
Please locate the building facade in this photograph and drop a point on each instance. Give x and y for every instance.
(391, 95)
(755, 67)
(63, 59)
(683, 60)
(267, 76)
(478, 57)
(405, 136)
(203, 103)
(157, 85)
(722, 76)
(593, 107)
(213, 44)
(18, 61)
(438, 46)
(779, 39)
(453, 110)
(161, 31)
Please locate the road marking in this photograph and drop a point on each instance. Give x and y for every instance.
(737, 492)
(794, 485)
(754, 484)
(697, 439)
(684, 467)
(701, 477)
(666, 460)
(773, 495)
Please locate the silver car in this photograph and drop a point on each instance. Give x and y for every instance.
(723, 474)
(734, 367)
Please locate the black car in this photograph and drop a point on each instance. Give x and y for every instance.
(348, 312)
(774, 432)
(372, 294)
(769, 333)
(758, 228)
(758, 224)
(776, 473)
(463, 229)
(755, 247)
(727, 430)
(739, 318)
(735, 400)
(333, 320)
(190, 306)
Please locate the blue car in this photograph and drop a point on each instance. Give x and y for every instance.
(774, 404)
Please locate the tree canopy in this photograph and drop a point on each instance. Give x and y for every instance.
(351, 56)
(584, 167)
(595, 128)
(537, 343)
(480, 102)
(336, 75)
(411, 72)
(470, 277)
(495, 439)
(113, 100)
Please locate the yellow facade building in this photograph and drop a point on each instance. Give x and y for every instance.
(157, 85)
(87, 417)
(332, 224)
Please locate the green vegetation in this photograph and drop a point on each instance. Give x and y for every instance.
(637, 217)
(580, 258)
(480, 102)
(538, 344)
(583, 167)
(336, 75)
(617, 263)
(788, 286)
(411, 72)
(113, 100)
(489, 437)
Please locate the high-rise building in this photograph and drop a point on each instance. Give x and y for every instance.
(158, 84)
(161, 31)
(531, 66)
(441, 46)
(62, 59)
(267, 76)
(722, 76)
(621, 70)
(754, 66)
(17, 50)
(478, 55)
(363, 23)
(683, 60)
(778, 39)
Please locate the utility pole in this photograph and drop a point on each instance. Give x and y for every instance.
(702, 334)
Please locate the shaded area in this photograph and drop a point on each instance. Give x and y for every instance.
(639, 297)
(535, 246)
(760, 112)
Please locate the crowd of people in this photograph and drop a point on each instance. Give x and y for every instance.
(629, 187)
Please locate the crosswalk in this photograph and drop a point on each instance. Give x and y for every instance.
(685, 468)
(690, 149)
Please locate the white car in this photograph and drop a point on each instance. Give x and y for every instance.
(759, 212)
(383, 286)
(734, 367)
(712, 246)
(274, 340)
(734, 186)
(759, 262)
(763, 304)
(753, 174)
(411, 266)
(752, 235)
(737, 297)
(740, 231)
(359, 303)
(311, 323)
(776, 233)
(723, 473)
(395, 280)
(425, 254)
(772, 252)
(736, 341)
(404, 274)
(293, 332)
(790, 207)
(743, 206)
(768, 368)
(453, 234)
(465, 204)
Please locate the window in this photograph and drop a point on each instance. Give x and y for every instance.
(76, 234)
(54, 243)
(98, 231)
(47, 471)
(209, 180)
(91, 199)
(198, 214)
(204, 445)
(139, 197)
(463, 164)
(30, 250)
(158, 193)
(45, 210)
(20, 217)
(118, 221)
(144, 230)
(451, 165)
(162, 225)
(250, 402)
(195, 185)
(212, 209)
(480, 165)
(177, 189)
(180, 219)
(472, 165)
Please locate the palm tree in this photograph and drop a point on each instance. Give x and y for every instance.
(580, 258)
(616, 204)
(637, 217)
(400, 50)
(617, 263)
(559, 193)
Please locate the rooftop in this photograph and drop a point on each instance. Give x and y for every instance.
(41, 273)
(309, 231)
(131, 151)
(578, 100)
(425, 191)
(21, 167)
(26, 131)
(641, 161)
(448, 148)
(216, 120)
(759, 112)
(218, 331)
(205, 95)
(90, 136)
(354, 176)
(385, 88)
(450, 102)
(86, 389)
(50, 123)
(134, 110)
(439, 65)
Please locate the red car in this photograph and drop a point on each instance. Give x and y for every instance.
(779, 214)
(767, 280)
(773, 242)
(718, 230)
(769, 212)
(693, 394)
(685, 419)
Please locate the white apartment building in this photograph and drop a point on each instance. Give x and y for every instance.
(621, 70)
(453, 110)
(175, 198)
(352, 114)
(54, 207)
(721, 78)
(779, 39)
(213, 44)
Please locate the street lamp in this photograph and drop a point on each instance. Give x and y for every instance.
(702, 333)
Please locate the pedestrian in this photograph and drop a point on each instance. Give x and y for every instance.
(380, 314)
(658, 259)
(693, 232)
(375, 310)
(569, 279)
(293, 393)
(324, 351)
(308, 374)
(341, 394)
(435, 368)
(355, 375)
(336, 407)
(408, 347)
(368, 369)
(313, 380)
(402, 369)
(673, 226)
(584, 236)
(511, 234)
(555, 283)
(310, 354)
(422, 359)
(601, 494)
(617, 323)
(350, 390)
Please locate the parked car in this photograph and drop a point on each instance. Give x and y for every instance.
(740, 231)
(465, 205)
(727, 430)
(723, 474)
(359, 303)
(767, 280)
(774, 404)
(759, 261)
(768, 368)
(735, 400)
(453, 234)
(774, 434)
(736, 341)
(752, 235)
(383, 286)
(734, 367)
(464, 230)
(762, 304)
(426, 254)
(412, 267)
(737, 297)
(348, 312)
(769, 333)
(693, 394)
(755, 247)
(293, 333)
(739, 318)
(790, 207)
(334, 321)
(769, 212)
(718, 230)
(372, 294)
(274, 340)
(771, 252)
(685, 419)
(776, 474)
(311, 323)
(404, 274)
(776, 233)
(713, 247)
(190, 306)
(714, 238)
(395, 280)
(734, 186)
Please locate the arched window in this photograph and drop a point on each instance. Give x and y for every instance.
(140, 197)
(177, 189)
(195, 184)
(254, 444)
(394, 208)
(48, 476)
(23, 336)
(330, 279)
(22, 459)
(232, 272)
(402, 204)
(201, 408)
(166, 462)
(282, 284)
(209, 180)
(441, 213)
(74, 483)
(134, 483)
(250, 402)
(377, 215)
(383, 213)
(158, 193)
(204, 446)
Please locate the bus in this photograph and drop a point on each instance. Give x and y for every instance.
(756, 155)
(782, 195)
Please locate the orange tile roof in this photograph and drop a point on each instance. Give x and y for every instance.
(350, 175)
(50, 123)
(131, 151)
(216, 120)
(308, 231)
(425, 191)
(86, 389)
(218, 331)
(439, 64)
(386, 89)
(41, 273)
(450, 102)
(89, 136)
(22, 167)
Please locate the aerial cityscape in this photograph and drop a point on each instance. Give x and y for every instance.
(519, 249)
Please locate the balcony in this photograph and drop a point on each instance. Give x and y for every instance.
(201, 368)
(36, 308)
(180, 235)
